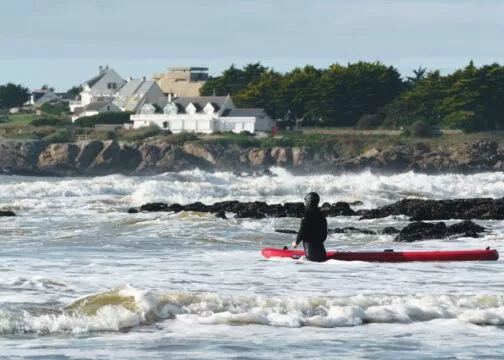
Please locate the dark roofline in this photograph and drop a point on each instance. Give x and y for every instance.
(91, 82)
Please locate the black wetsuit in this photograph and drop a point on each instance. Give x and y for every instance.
(313, 233)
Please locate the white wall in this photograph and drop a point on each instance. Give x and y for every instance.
(86, 98)
(202, 123)
(176, 123)
(236, 124)
(83, 114)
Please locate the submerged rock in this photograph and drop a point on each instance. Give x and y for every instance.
(7, 213)
(250, 210)
(423, 231)
(420, 210)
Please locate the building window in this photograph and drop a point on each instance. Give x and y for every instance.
(165, 125)
(112, 86)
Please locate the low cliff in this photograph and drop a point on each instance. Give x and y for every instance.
(35, 157)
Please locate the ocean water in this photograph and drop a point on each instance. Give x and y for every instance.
(80, 278)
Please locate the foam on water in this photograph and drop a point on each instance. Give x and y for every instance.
(185, 279)
(190, 186)
(127, 307)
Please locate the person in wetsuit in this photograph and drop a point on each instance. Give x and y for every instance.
(313, 230)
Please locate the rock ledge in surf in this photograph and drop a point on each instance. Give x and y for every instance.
(422, 210)
(252, 210)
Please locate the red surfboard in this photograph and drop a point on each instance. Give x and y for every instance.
(390, 255)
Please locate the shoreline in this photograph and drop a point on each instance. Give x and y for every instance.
(96, 158)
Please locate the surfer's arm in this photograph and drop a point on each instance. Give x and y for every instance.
(300, 234)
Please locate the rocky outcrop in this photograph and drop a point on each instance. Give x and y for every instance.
(20, 156)
(424, 231)
(346, 230)
(58, 158)
(415, 231)
(34, 157)
(254, 210)
(7, 213)
(421, 210)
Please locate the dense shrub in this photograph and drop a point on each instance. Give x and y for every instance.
(466, 121)
(43, 131)
(63, 136)
(57, 108)
(105, 118)
(369, 121)
(181, 138)
(49, 122)
(419, 129)
(141, 133)
(101, 134)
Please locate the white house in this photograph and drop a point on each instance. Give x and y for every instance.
(137, 92)
(101, 88)
(205, 114)
(95, 108)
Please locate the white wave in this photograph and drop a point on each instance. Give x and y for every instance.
(190, 186)
(129, 307)
(337, 312)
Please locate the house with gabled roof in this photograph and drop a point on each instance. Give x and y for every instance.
(42, 96)
(136, 92)
(100, 88)
(204, 114)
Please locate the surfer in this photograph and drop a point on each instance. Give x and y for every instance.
(313, 230)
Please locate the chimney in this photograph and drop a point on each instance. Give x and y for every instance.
(130, 78)
(169, 97)
(100, 70)
(144, 78)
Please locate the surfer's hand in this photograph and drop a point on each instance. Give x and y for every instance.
(294, 244)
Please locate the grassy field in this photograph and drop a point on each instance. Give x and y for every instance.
(22, 119)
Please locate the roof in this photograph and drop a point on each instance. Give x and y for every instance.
(187, 68)
(37, 94)
(95, 106)
(127, 91)
(215, 106)
(199, 102)
(132, 93)
(243, 112)
(202, 101)
(92, 82)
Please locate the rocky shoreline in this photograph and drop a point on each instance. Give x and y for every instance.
(95, 158)
(417, 210)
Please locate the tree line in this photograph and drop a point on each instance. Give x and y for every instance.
(361, 94)
(369, 95)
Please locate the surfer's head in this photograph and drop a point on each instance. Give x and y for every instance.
(311, 200)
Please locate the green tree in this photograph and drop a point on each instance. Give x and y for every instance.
(349, 92)
(57, 108)
(299, 94)
(232, 80)
(73, 92)
(47, 87)
(419, 75)
(477, 90)
(263, 93)
(12, 95)
(424, 98)
(464, 120)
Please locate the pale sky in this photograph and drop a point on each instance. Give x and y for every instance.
(62, 42)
